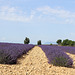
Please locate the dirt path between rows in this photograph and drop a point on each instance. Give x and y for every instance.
(36, 63)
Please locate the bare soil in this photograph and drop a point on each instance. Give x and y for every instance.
(35, 62)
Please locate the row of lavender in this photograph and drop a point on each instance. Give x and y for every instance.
(68, 49)
(9, 52)
(57, 56)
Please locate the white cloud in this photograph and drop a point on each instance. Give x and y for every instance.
(65, 16)
(42, 14)
(11, 13)
(7, 9)
(48, 10)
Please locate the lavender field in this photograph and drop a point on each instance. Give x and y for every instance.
(12, 51)
(57, 56)
(9, 52)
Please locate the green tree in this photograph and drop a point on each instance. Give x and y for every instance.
(39, 42)
(26, 41)
(72, 43)
(65, 42)
(51, 44)
(59, 41)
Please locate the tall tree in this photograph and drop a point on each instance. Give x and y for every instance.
(39, 42)
(59, 41)
(26, 41)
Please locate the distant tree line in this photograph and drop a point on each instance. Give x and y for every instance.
(65, 42)
(27, 41)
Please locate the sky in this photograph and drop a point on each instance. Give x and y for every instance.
(45, 20)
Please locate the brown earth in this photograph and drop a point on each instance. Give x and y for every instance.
(36, 63)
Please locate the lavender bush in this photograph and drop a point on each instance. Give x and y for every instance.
(56, 56)
(4, 58)
(68, 49)
(11, 51)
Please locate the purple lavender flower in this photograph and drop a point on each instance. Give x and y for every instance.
(14, 50)
(57, 56)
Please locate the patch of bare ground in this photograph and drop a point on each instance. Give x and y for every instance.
(35, 62)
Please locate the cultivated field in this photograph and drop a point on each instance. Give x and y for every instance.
(35, 62)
